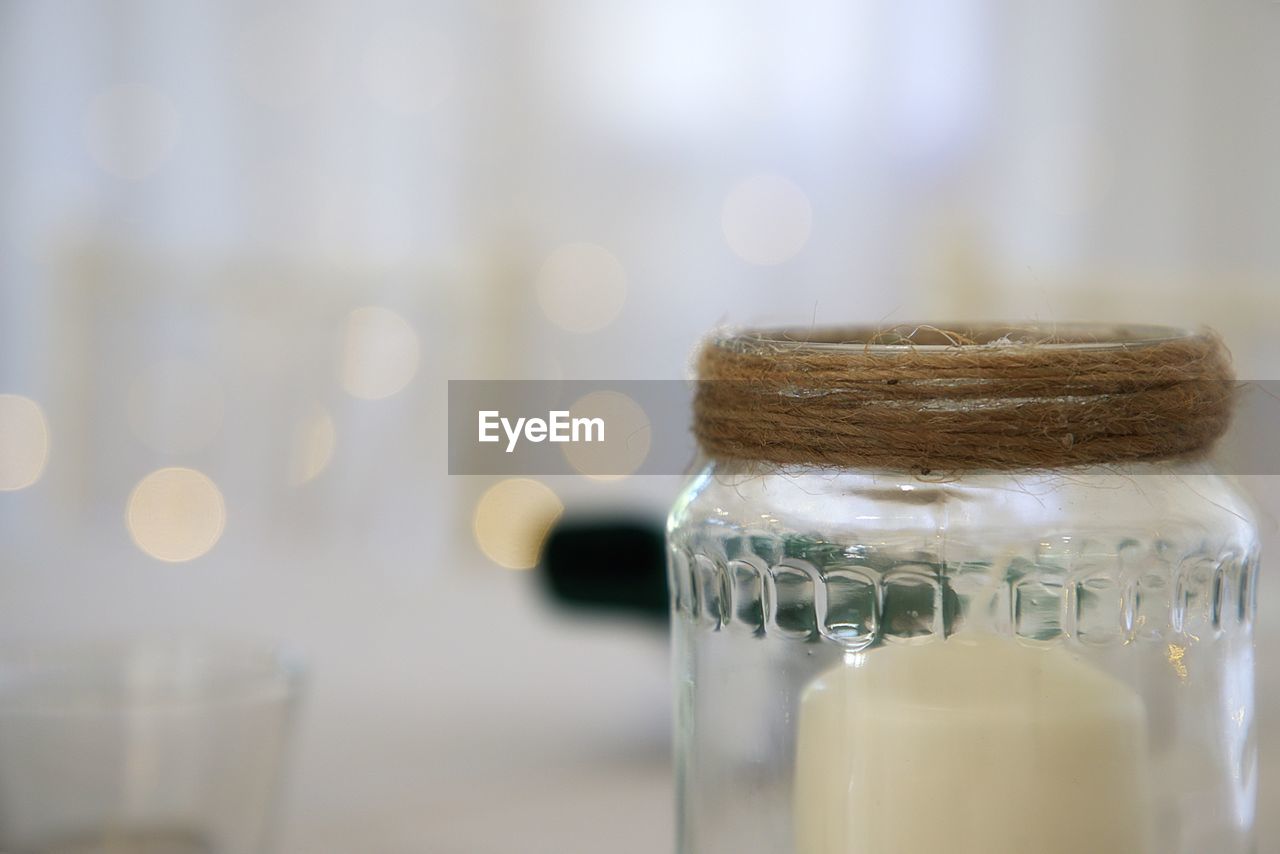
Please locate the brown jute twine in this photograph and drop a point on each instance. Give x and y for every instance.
(932, 399)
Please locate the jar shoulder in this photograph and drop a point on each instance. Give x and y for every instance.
(1194, 508)
(1100, 558)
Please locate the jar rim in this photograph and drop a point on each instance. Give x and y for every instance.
(992, 397)
(934, 337)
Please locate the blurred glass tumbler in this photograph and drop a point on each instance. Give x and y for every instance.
(966, 592)
(143, 750)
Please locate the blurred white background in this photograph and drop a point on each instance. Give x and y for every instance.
(248, 243)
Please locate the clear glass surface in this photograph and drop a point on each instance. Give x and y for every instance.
(165, 749)
(993, 664)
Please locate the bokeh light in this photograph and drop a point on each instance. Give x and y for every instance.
(512, 519)
(313, 445)
(24, 442)
(408, 68)
(379, 353)
(175, 514)
(766, 219)
(176, 406)
(131, 130)
(627, 438)
(581, 287)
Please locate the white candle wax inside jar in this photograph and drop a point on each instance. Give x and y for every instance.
(970, 746)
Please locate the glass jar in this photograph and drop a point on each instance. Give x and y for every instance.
(1038, 662)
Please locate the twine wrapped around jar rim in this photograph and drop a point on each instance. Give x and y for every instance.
(934, 400)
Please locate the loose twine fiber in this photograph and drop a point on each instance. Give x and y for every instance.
(936, 400)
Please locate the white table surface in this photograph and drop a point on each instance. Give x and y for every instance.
(552, 737)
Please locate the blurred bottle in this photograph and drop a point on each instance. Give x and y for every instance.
(607, 564)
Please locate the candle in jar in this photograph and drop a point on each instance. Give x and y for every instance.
(970, 746)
